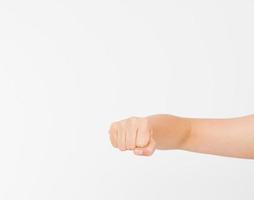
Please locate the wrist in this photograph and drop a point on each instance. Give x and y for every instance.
(170, 132)
(186, 134)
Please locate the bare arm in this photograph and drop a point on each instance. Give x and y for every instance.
(226, 137)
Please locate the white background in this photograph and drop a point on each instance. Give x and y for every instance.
(70, 68)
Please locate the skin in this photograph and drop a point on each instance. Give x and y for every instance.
(233, 137)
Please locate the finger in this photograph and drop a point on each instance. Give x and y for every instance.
(113, 135)
(143, 136)
(121, 139)
(113, 139)
(148, 150)
(131, 138)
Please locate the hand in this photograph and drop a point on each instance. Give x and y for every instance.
(134, 134)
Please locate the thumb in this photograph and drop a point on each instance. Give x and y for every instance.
(147, 150)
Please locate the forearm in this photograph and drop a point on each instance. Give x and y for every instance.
(227, 137)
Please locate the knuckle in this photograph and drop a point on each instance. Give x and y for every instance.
(130, 146)
(130, 142)
(122, 148)
(123, 124)
(132, 120)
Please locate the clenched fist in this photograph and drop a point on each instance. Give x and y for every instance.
(133, 134)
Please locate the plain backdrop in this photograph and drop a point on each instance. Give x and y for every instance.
(70, 68)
